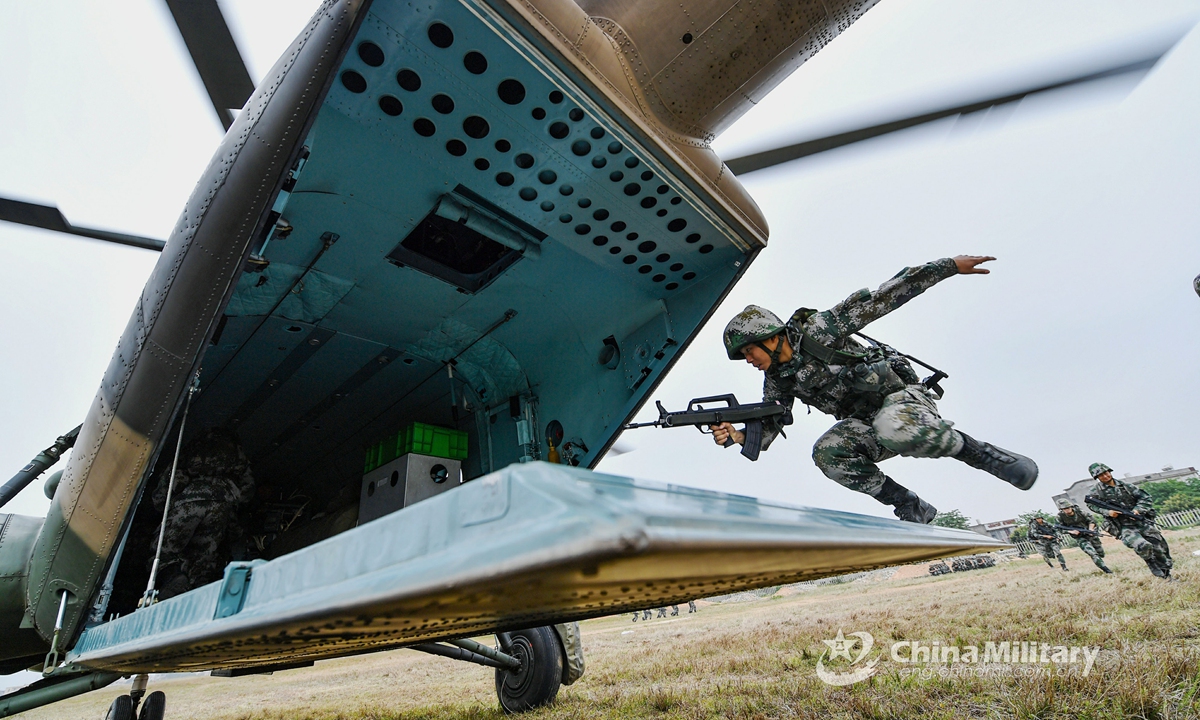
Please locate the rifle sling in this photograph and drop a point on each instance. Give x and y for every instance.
(826, 354)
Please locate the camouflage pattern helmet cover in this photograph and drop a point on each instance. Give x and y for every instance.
(1098, 469)
(754, 324)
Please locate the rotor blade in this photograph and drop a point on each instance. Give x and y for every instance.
(215, 54)
(775, 156)
(48, 217)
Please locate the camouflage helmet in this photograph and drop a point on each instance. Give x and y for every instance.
(1098, 469)
(754, 324)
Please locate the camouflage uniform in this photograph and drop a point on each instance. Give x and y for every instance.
(1139, 535)
(898, 418)
(212, 482)
(1042, 535)
(1091, 546)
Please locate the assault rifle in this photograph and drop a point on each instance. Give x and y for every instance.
(698, 416)
(1036, 533)
(1096, 502)
(1083, 532)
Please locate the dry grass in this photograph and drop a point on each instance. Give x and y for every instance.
(757, 660)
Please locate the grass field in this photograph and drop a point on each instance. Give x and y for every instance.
(758, 659)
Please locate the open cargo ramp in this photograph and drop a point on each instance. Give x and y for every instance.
(529, 545)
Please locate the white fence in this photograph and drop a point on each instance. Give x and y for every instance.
(1183, 518)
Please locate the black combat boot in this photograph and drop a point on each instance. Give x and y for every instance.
(1016, 470)
(909, 507)
(1104, 567)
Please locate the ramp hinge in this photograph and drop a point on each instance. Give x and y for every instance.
(234, 587)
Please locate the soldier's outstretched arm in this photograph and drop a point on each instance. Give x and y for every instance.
(863, 307)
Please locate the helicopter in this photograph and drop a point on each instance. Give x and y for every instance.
(311, 232)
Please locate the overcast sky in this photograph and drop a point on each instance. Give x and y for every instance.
(1080, 346)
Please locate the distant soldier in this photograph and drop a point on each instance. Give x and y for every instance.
(691, 606)
(1042, 535)
(1133, 524)
(662, 612)
(674, 610)
(645, 614)
(1073, 516)
(212, 482)
(882, 408)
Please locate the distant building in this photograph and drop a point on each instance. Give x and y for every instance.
(1000, 530)
(1074, 495)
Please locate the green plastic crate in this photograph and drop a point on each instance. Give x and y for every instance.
(418, 438)
(432, 440)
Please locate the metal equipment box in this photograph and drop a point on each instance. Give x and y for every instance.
(406, 480)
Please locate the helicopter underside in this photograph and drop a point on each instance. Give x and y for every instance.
(572, 222)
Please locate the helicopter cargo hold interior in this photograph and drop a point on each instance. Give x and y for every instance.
(467, 243)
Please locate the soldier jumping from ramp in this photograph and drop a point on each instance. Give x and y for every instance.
(882, 409)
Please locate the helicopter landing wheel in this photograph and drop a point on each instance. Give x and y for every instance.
(120, 709)
(154, 706)
(536, 682)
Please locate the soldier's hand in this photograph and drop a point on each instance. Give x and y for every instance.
(1075, 533)
(1113, 514)
(969, 264)
(724, 431)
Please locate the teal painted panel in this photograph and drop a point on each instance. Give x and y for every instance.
(529, 545)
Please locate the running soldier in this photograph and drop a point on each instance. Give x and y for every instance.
(212, 482)
(1133, 524)
(1084, 532)
(882, 409)
(1042, 535)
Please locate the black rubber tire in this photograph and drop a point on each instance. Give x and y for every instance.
(154, 706)
(536, 683)
(120, 709)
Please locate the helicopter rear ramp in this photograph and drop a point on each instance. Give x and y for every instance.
(529, 545)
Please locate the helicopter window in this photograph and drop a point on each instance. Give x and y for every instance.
(455, 253)
(461, 252)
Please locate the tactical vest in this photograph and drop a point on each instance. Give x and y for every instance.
(862, 381)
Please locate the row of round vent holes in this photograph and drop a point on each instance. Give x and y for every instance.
(512, 92)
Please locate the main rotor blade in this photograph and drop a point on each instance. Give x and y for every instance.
(48, 217)
(776, 156)
(215, 54)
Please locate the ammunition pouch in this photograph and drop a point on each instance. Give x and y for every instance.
(876, 377)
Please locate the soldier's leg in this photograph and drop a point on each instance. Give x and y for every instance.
(206, 561)
(1161, 549)
(909, 424)
(1047, 553)
(1093, 549)
(183, 519)
(847, 454)
(1058, 553)
(1143, 547)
